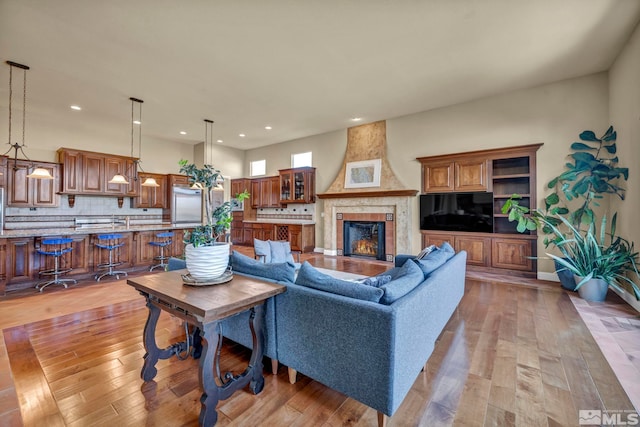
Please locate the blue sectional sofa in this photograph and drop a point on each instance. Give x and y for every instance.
(370, 351)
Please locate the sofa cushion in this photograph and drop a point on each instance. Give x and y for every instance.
(435, 259)
(280, 251)
(376, 281)
(312, 278)
(403, 280)
(262, 248)
(284, 271)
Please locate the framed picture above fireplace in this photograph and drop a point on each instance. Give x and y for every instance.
(365, 173)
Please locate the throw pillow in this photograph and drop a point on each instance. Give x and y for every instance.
(280, 251)
(376, 281)
(403, 280)
(284, 271)
(436, 258)
(310, 277)
(262, 248)
(426, 251)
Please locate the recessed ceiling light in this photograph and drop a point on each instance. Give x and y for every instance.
(182, 132)
(268, 127)
(136, 122)
(76, 107)
(241, 135)
(220, 141)
(356, 119)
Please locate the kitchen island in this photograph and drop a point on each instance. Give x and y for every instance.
(21, 262)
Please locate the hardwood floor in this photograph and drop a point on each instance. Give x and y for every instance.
(510, 355)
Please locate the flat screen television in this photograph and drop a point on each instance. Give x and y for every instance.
(457, 211)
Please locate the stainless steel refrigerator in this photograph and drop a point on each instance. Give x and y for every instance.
(186, 207)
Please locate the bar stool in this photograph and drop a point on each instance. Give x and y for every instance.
(110, 242)
(56, 248)
(165, 240)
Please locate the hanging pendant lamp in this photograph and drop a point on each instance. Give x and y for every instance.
(37, 173)
(122, 179)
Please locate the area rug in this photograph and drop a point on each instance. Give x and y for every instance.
(343, 275)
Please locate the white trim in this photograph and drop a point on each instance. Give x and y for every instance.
(552, 277)
(629, 298)
(330, 252)
(318, 250)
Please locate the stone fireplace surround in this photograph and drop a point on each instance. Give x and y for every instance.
(395, 210)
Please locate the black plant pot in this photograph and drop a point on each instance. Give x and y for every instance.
(565, 276)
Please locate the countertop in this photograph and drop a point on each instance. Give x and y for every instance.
(283, 221)
(68, 231)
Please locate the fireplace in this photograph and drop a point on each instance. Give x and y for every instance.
(364, 239)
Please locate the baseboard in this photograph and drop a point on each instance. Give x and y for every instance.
(552, 277)
(318, 250)
(629, 298)
(330, 252)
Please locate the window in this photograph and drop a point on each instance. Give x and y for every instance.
(301, 159)
(258, 167)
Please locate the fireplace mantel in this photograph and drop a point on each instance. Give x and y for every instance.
(382, 193)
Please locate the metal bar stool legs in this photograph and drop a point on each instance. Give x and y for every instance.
(55, 248)
(163, 242)
(110, 242)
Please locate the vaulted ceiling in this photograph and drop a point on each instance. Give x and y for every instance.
(301, 67)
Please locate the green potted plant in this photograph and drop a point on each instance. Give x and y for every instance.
(597, 259)
(592, 173)
(207, 258)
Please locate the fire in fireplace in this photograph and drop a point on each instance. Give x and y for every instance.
(364, 239)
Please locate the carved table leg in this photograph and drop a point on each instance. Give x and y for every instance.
(208, 364)
(256, 323)
(152, 355)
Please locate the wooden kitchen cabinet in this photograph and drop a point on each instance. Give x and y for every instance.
(77, 260)
(300, 236)
(29, 192)
(265, 192)
(239, 186)
(3, 267)
(151, 197)
(87, 172)
(3, 167)
(297, 185)
(144, 251)
(123, 254)
(19, 260)
(237, 227)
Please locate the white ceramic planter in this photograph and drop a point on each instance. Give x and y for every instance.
(207, 262)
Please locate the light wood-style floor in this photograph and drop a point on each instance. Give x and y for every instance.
(512, 354)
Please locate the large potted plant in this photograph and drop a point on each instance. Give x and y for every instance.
(597, 259)
(206, 256)
(592, 173)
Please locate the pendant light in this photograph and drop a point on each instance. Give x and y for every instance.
(208, 125)
(37, 173)
(122, 179)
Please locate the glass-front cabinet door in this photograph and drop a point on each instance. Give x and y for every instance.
(297, 185)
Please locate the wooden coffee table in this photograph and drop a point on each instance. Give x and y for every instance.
(204, 307)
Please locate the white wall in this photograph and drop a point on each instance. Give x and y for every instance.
(624, 88)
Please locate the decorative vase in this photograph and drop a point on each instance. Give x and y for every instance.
(593, 290)
(566, 277)
(207, 262)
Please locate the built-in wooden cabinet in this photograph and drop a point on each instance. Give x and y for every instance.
(265, 192)
(237, 227)
(300, 236)
(30, 192)
(239, 186)
(123, 254)
(502, 172)
(441, 176)
(297, 185)
(151, 197)
(3, 266)
(3, 168)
